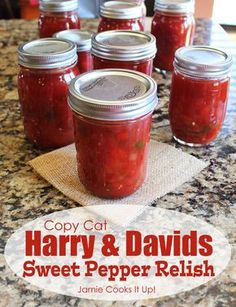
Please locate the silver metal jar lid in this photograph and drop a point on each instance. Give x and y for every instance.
(82, 39)
(175, 6)
(113, 94)
(47, 53)
(123, 45)
(121, 10)
(203, 61)
(58, 6)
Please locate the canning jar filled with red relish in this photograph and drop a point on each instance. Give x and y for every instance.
(46, 68)
(199, 93)
(57, 15)
(173, 26)
(121, 15)
(82, 39)
(124, 49)
(112, 111)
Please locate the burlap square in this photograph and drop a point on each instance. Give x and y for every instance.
(168, 168)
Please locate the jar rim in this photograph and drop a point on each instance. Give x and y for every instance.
(138, 98)
(47, 53)
(106, 45)
(58, 6)
(203, 61)
(121, 10)
(81, 38)
(175, 6)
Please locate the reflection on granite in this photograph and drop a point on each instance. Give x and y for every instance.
(25, 196)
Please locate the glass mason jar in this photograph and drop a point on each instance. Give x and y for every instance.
(120, 15)
(199, 94)
(57, 16)
(112, 111)
(124, 49)
(46, 68)
(82, 39)
(173, 26)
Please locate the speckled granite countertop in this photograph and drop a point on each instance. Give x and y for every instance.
(24, 196)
